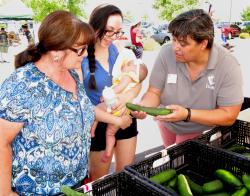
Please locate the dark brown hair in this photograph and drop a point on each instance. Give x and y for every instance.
(58, 31)
(194, 23)
(98, 20)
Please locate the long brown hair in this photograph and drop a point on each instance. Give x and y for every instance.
(58, 31)
(98, 20)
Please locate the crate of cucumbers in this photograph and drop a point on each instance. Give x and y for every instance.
(235, 138)
(193, 168)
(118, 184)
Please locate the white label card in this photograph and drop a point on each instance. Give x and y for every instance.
(172, 78)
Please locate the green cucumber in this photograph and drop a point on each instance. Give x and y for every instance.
(228, 178)
(246, 181)
(237, 148)
(246, 154)
(173, 183)
(212, 186)
(183, 186)
(164, 176)
(195, 188)
(241, 192)
(149, 110)
(70, 192)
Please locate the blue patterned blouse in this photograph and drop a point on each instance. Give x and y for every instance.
(52, 148)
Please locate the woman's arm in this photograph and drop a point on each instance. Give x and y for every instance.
(8, 131)
(150, 99)
(221, 116)
(103, 116)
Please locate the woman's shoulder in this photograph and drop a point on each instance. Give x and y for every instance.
(19, 82)
(117, 46)
(114, 50)
(223, 55)
(22, 74)
(166, 51)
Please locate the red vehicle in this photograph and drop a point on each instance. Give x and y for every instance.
(231, 31)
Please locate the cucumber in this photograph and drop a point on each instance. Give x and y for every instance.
(169, 188)
(246, 154)
(195, 188)
(212, 186)
(228, 178)
(164, 176)
(70, 192)
(241, 192)
(237, 148)
(173, 183)
(183, 186)
(149, 110)
(246, 181)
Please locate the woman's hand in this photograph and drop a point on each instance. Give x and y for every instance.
(124, 121)
(179, 113)
(139, 114)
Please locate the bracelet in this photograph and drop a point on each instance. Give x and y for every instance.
(188, 116)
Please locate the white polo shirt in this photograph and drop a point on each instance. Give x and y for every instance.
(220, 84)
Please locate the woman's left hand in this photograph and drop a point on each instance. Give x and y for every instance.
(179, 113)
(125, 121)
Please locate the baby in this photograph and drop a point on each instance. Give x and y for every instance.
(127, 73)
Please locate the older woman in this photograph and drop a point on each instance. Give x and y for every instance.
(45, 115)
(198, 80)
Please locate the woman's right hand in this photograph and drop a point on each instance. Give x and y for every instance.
(125, 121)
(139, 114)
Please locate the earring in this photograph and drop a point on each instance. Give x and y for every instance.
(56, 58)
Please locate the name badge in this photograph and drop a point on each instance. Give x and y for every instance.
(172, 78)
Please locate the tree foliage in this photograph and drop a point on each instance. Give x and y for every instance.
(169, 9)
(42, 8)
(245, 15)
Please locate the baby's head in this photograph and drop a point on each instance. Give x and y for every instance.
(137, 66)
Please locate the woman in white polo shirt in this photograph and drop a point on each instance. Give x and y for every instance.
(198, 80)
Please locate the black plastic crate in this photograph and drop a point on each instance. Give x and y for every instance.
(197, 160)
(223, 137)
(246, 103)
(123, 184)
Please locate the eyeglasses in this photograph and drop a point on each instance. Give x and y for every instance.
(111, 33)
(79, 51)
